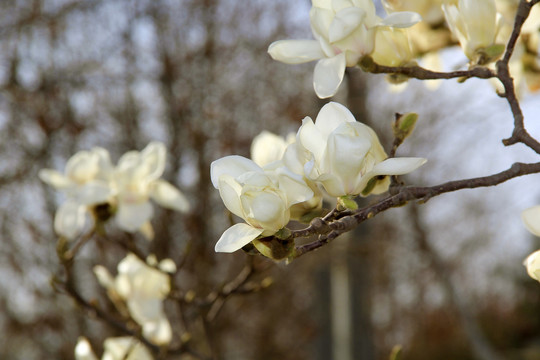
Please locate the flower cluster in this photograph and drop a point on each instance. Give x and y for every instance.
(344, 32)
(347, 31)
(141, 287)
(335, 152)
(93, 185)
(118, 348)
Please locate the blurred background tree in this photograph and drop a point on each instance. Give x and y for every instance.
(195, 75)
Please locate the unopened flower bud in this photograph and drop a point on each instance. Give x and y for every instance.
(404, 125)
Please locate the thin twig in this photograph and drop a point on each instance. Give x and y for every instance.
(404, 195)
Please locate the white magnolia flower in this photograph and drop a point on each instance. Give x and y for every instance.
(267, 150)
(475, 23)
(117, 348)
(533, 265)
(262, 198)
(90, 179)
(86, 182)
(344, 31)
(343, 155)
(137, 180)
(143, 288)
(268, 147)
(531, 219)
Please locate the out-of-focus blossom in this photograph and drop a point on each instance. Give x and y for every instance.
(90, 180)
(86, 182)
(476, 24)
(344, 31)
(268, 147)
(261, 198)
(344, 155)
(533, 265)
(143, 289)
(531, 219)
(117, 348)
(137, 180)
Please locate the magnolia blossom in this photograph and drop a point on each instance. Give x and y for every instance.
(90, 179)
(118, 348)
(267, 150)
(344, 31)
(136, 181)
(532, 263)
(344, 155)
(392, 47)
(476, 24)
(142, 288)
(85, 182)
(531, 219)
(262, 198)
(268, 147)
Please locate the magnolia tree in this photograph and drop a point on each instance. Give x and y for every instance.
(299, 193)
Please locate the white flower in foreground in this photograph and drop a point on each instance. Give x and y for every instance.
(344, 31)
(475, 23)
(262, 198)
(267, 150)
(344, 155)
(533, 265)
(136, 178)
(118, 348)
(143, 288)
(86, 182)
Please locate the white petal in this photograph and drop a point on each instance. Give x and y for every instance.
(294, 187)
(332, 184)
(83, 350)
(69, 219)
(153, 157)
(310, 137)
(295, 51)
(331, 116)
(533, 265)
(531, 219)
(397, 166)
(328, 75)
(82, 167)
(94, 192)
(54, 179)
(232, 165)
(402, 19)
(345, 152)
(230, 190)
(131, 216)
(267, 148)
(345, 22)
(159, 332)
(168, 196)
(236, 237)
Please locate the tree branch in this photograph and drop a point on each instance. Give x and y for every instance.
(328, 231)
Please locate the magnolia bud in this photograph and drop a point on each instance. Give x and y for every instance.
(403, 126)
